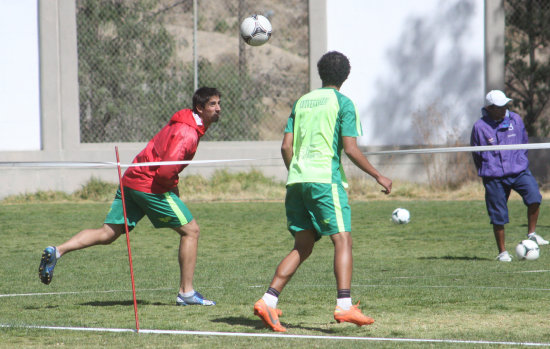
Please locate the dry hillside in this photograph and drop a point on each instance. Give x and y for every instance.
(283, 61)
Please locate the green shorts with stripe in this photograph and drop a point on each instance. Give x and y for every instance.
(163, 210)
(322, 207)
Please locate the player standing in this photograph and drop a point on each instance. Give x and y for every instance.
(321, 124)
(152, 191)
(502, 171)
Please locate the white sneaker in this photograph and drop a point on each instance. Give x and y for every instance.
(504, 257)
(537, 238)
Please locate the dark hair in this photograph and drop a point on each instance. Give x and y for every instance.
(333, 68)
(202, 95)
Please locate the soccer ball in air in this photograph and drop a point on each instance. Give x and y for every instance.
(401, 216)
(528, 249)
(256, 30)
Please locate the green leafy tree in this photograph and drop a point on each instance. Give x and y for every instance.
(527, 65)
(129, 83)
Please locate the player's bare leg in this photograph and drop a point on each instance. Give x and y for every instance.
(503, 255)
(532, 217)
(343, 268)
(189, 243)
(498, 230)
(303, 246)
(91, 237)
(266, 307)
(343, 259)
(86, 238)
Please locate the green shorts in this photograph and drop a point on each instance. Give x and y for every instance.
(322, 207)
(163, 210)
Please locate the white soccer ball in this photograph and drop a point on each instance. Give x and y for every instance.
(256, 30)
(528, 249)
(401, 216)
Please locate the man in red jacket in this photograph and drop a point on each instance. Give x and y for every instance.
(152, 191)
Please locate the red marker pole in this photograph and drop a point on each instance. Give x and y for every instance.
(127, 239)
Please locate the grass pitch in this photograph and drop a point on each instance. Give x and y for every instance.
(434, 278)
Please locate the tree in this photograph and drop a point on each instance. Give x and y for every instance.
(527, 76)
(129, 83)
(131, 80)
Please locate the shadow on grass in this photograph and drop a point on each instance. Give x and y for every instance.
(114, 303)
(538, 226)
(457, 258)
(258, 325)
(38, 308)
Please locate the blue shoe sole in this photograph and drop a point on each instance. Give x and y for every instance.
(200, 301)
(45, 270)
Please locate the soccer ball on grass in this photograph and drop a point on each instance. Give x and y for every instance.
(528, 249)
(256, 30)
(401, 216)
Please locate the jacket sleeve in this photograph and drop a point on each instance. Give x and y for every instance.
(525, 137)
(474, 141)
(180, 145)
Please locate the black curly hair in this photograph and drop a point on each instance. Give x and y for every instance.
(333, 68)
(202, 96)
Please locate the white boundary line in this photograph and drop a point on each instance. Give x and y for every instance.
(274, 335)
(238, 334)
(80, 292)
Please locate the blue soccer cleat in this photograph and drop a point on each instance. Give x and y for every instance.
(196, 299)
(45, 271)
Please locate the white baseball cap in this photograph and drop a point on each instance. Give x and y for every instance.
(497, 98)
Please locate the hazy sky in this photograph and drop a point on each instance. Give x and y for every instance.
(19, 76)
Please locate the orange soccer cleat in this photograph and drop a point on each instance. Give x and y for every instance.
(353, 315)
(269, 316)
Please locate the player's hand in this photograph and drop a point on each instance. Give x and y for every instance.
(386, 183)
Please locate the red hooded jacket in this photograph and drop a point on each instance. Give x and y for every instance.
(177, 141)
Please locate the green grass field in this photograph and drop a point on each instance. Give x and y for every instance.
(435, 278)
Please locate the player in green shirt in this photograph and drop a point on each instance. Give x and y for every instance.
(321, 124)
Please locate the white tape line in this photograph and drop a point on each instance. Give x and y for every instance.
(73, 292)
(275, 335)
(164, 163)
(60, 164)
(462, 149)
(76, 164)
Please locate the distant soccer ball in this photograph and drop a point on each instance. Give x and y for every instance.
(528, 249)
(256, 30)
(401, 216)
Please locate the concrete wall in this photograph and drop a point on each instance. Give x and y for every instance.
(60, 108)
(494, 45)
(60, 123)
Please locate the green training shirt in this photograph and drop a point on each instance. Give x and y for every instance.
(319, 120)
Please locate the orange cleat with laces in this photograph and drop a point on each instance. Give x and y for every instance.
(269, 316)
(353, 315)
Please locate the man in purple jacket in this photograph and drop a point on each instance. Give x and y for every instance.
(504, 170)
